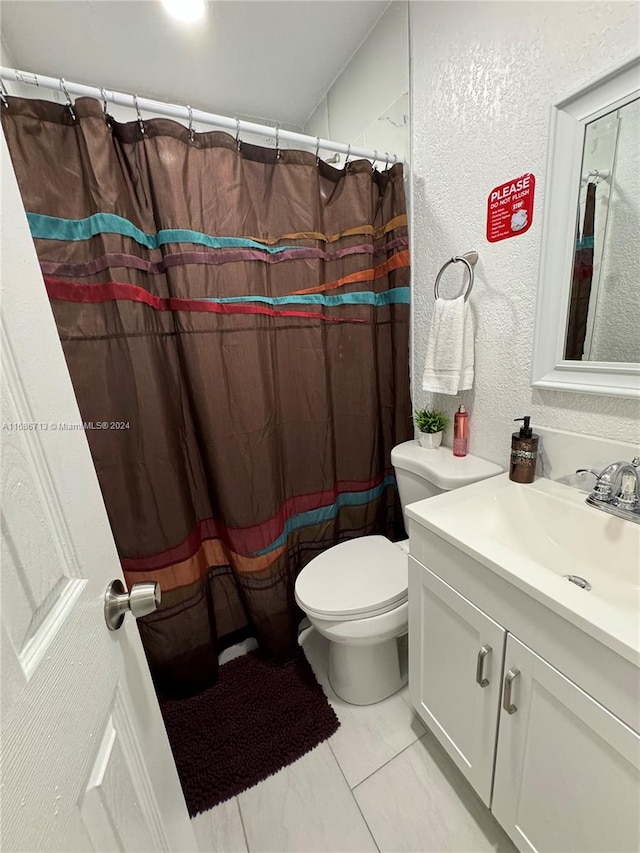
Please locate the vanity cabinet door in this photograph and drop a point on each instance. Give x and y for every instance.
(455, 666)
(567, 770)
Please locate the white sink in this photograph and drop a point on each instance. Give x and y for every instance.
(534, 535)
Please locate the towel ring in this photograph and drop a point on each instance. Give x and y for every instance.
(443, 268)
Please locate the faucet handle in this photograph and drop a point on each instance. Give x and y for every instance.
(629, 494)
(593, 471)
(602, 489)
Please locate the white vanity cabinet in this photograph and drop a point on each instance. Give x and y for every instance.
(567, 771)
(455, 666)
(559, 771)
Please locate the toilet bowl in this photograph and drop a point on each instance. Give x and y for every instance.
(355, 593)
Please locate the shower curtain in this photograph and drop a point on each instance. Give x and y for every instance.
(581, 281)
(236, 325)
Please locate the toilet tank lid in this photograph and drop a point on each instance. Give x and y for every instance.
(441, 467)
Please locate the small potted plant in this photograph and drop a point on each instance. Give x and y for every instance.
(431, 425)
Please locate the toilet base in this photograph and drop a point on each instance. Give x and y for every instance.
(363, 675)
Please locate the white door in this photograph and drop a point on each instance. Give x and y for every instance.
(567, 771)
(85, 761)
(455, 663)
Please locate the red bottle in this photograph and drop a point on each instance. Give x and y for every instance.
(461, 432)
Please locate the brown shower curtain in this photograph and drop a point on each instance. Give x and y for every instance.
(581, 283)
(236, 326)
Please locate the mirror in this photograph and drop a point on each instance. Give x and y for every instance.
(603, 321)
(587, 335)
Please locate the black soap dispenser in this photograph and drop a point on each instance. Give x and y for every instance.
(524, 453)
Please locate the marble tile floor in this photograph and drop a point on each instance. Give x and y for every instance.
(380, 783)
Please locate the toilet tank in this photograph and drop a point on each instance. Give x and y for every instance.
(422, 473)
(412, 487)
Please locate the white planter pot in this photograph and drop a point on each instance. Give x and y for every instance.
(430, 440)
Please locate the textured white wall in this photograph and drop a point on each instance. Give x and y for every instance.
(483, 78)
(368, 105)
(616, 328)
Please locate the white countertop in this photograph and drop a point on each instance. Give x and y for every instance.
(533, 534)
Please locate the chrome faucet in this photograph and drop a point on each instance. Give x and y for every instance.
(617, 489)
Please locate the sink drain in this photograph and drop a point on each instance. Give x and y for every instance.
(578, 581)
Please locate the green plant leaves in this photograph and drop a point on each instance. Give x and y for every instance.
(430, 420)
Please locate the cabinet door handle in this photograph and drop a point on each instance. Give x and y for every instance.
(482, 654)
(509, 678)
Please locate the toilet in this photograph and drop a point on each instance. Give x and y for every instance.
(355, 593)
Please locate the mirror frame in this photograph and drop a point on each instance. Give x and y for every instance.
(569, 117)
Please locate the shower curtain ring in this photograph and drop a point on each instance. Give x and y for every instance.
(105, 114)
(238, 140)
(348, 157)
(317, 150)
(375, 157)
(68, 97)
(386, 162)
(277, 141)
(3, 94)
(140, 122)
(192, 133)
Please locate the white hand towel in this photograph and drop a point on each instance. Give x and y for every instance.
(449, 363)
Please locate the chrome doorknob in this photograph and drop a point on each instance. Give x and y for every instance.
(143, 598)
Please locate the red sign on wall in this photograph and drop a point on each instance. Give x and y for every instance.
(510, 208)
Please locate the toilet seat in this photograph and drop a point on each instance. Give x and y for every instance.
(358, 579)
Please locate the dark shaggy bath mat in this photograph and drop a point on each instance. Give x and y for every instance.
(259, 717)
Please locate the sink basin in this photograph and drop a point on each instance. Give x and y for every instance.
(535, 535)
(564, 537)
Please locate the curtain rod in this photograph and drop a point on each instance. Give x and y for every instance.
(180, 112)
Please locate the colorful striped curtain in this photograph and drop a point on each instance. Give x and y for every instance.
(236, 326)
(581, 280)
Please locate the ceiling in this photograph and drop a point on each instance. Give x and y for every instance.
(268, 59)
